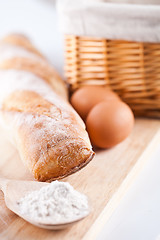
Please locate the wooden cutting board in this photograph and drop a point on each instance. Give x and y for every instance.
(104, 181)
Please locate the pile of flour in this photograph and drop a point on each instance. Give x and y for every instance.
(55, 203)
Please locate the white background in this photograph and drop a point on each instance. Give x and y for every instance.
(138, 215)
(37, 19)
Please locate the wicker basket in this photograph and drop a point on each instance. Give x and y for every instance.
(132, 69)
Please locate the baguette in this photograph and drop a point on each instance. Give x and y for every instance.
(49, 135)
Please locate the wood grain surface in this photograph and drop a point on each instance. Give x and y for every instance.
(105, 181)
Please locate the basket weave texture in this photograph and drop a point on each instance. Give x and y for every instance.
(132, 69)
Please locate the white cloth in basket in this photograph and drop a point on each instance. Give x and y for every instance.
(135, 22)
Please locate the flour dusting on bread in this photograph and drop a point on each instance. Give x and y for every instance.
(48, 133)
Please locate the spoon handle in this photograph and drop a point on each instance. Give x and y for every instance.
(3, 183)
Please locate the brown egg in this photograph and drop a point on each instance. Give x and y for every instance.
(109, 123)
(85, 98)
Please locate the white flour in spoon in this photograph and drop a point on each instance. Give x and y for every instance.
(55, 203)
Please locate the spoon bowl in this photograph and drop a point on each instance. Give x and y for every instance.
(14, 190)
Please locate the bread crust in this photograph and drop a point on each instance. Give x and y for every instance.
(48, 133)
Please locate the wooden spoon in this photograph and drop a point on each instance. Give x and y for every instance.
(14, 190)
